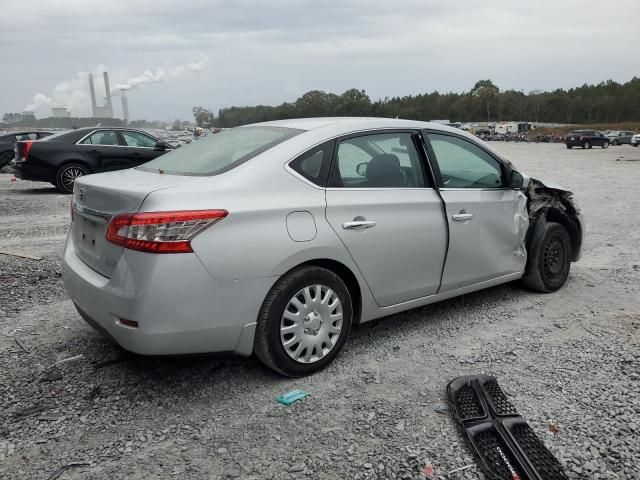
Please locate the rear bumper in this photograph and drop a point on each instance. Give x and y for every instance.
(179, 307)
(28, 172)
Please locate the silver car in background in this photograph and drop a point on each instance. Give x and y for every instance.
(276, 238)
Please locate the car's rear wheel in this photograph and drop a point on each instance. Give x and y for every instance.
(304, 321)
(569, 147)
(549, 259)
(605, 144)
(67, 174)
(616, 142)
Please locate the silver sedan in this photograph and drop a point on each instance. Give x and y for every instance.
(276, 238)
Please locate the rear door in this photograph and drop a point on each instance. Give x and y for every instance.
(487, 221)
(141, 147)
(382, 204)
(106, 150)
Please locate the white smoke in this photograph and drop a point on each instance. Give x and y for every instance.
(160, 74)
(74, 93)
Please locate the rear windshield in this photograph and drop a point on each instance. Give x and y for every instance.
(220, 152)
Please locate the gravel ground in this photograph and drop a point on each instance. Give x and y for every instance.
(569, 359)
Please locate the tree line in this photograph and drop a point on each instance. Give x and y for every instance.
(606, 102)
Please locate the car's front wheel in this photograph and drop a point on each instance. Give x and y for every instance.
(549, 259)
(304, 321)
(616, 142)
(67, 174)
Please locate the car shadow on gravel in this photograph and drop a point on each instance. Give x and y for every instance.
(36, 191)
(175, 371)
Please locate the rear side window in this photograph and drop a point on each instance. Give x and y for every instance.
(314, 164)
(101, 137)
(215, 154)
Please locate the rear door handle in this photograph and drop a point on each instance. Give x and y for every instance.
(358, 225)
(462, 217)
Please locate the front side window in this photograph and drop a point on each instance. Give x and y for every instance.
(386, 160)
(465, 165)
(102, 137)
(215, 154)
(138, 140)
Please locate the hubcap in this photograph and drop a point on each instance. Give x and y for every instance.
(553, 257)
(69, 176)
(311, 323)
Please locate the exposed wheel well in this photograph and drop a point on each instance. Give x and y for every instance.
(347, 276)
(558, 216)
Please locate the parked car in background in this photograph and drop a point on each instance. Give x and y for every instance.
(586, 139)
(61, 158)
(620, 137)
(8, 139)
(276, 238)
(635, 140)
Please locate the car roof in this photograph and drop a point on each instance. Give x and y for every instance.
(349, 124)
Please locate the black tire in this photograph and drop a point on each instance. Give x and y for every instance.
(549, 259)
(268, 345)
(616, 143)
(569, 147)
(605, 144)
(586, 145)
(66, 175)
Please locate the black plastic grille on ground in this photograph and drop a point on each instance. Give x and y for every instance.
(490, 446)
(500, 402)
(545, 464)
(503, 443)
(468, 404)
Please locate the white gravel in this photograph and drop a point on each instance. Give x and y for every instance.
(569, 358)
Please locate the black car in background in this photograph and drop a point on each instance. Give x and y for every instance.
(8, 139)
(586, 139)
(61, 158)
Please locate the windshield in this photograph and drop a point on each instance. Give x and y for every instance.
(221, 152)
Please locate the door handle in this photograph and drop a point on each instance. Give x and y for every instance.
(358, 225)
(462, 217)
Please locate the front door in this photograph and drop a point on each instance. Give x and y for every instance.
(487, 220)
(384, 209)
(141, 147)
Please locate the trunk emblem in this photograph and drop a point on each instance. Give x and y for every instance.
(82, 195)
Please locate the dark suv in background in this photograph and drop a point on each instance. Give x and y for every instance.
(586, 139)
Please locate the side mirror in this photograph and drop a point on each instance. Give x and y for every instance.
(161, 146)
(361, 169)
(516, 181)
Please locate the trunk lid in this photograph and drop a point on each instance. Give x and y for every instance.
(97, 198)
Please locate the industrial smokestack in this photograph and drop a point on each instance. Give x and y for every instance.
(92, 90)
(125, 105)
(107, 89)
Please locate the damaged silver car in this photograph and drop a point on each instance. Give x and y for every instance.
(276, 238)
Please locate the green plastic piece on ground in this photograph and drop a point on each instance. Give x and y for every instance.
(292, 396)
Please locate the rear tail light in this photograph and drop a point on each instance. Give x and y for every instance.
(23, 150)
(161, 232)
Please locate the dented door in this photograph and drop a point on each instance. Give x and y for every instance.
(487, 220)
(490, 243)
